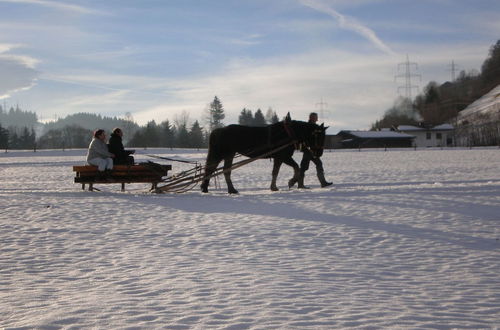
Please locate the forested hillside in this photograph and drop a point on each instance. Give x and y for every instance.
(440, 103)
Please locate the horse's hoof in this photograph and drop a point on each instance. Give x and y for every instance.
(291, 183)
(233, 191)
(274, 189)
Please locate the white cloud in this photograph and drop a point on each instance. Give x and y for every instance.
(353, 85)
(19, 69)
(349, 23)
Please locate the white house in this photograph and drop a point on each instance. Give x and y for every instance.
(425, 137)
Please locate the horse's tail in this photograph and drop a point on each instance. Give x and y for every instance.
(214, 147)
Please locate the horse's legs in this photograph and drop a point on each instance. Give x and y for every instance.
(228, 162)
(276, 169)
(210, 168)
(296, 171)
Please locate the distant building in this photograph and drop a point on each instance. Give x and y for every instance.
(375, 139)
(430, 136)
(333, 142)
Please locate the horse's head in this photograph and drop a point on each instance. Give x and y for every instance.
(309, 134)
(317, 142)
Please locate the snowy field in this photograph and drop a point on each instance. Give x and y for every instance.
(403, 239)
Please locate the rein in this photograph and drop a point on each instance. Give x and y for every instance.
(291, 134)
(173, 159)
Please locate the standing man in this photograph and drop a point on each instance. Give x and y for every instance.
(308, 157)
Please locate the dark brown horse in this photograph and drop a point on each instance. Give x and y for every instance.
(276, 141)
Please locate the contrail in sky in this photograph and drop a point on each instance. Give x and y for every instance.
(55, 5)
(349, 24)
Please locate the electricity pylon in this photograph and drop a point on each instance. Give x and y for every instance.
(322, 106)
(408, 75)
(453, 69)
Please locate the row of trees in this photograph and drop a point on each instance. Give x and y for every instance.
(181, 134)
(17, 138)
(258, 119)
(168, 135)
(17, 128)
(16, 117)
(438, 104)
(75, 131)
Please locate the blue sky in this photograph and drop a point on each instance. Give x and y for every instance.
(162, 59)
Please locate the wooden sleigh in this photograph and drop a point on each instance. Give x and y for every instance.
(142, 173)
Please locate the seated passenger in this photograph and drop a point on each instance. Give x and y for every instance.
(115, 146)
(98, 154)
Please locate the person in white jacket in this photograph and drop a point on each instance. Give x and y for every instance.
(98, 153)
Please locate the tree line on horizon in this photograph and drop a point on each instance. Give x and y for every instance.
(75, 131)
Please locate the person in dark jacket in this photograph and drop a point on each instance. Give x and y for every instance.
(115, 146)
(307, 157)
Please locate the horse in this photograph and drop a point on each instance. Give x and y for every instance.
(276, 141)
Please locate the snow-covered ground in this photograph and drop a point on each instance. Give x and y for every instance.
(403, 239)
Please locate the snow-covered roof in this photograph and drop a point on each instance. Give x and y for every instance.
(409, 128)
(485, 104)
(378, 134)
(442, 127)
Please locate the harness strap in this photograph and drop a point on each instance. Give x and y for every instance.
(291, 134)
(269, 136)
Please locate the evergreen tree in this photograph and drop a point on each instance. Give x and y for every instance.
(490, 70)
(13, 138)
(4, 138)
(274, 119)
(215, 114)
(151, 135)
(167, 137)
(183, 136)
(128, 127)
(246, 117)
(271, 116)
(138, 139)
(259, 119)
(27, 138)
(196, 139)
